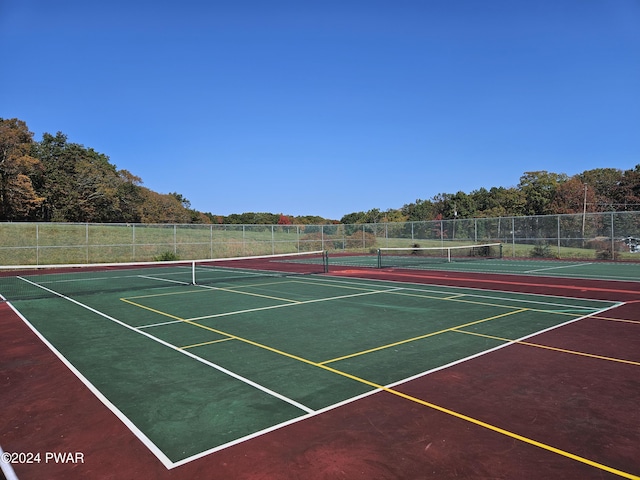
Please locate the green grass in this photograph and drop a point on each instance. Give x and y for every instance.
(59, 243)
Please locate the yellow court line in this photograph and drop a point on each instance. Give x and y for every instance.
(206, 288)
(453, 413)
(238, 312)
(166, 294)
(251, 294)
(636, 322)
(341, 286)
(513, 435)
(273, 307)
(205, 343)
(546, 347)
(382, 347)
(159, 312)
(453, 297)
(405, 396)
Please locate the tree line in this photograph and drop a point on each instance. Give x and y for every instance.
(59, 181)
(537, 193)
(55, 180)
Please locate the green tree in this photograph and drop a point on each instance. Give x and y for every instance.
(497, 202)
(130, 197)
(82, 185)
(353, 218)
(442, 209)
(394, 215)
(605, 182)
(183, 201)
(510, 200)
(373, 216)
(78, 183)
(253, 218)
(311, 220)
(419, 211)
(57, 184)
(628, 192)
(460, 205)
(539, 189)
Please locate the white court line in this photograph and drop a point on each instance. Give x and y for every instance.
(558, 267)
(270, 307)
(98, 279)
(143, 438)
(123, 418)
(159, 279)
(310, 414)
(389, 386)
(6, 468)
(449, 289)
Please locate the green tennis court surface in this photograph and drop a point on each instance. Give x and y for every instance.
(194, 368)
(550, 268)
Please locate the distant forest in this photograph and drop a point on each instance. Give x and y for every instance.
(54, 180)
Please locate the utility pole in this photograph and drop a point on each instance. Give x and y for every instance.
(584, 213)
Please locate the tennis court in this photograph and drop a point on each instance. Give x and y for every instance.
(199, 360)
(489, 259)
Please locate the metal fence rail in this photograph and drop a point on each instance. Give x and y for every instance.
(606, 236)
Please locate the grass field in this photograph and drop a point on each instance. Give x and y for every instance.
(59, 243)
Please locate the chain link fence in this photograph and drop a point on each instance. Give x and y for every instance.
(595, 236)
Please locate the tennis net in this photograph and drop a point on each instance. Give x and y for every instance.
(31, 282)
(417, 257)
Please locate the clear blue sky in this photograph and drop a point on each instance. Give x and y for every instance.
(327, 107)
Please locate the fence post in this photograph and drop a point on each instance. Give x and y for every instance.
(86, 240)
(613, 243)
(558, 219)
(513, 236)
